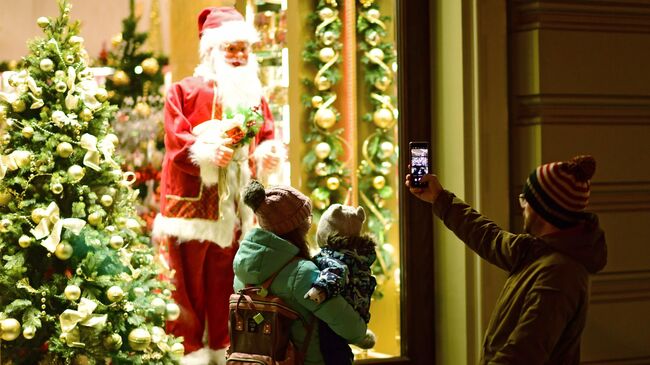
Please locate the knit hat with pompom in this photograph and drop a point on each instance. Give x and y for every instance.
(559, 191)
(279, 209)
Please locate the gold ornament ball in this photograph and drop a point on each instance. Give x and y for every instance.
(133, 225)
(76, 173)
(316, 101)
(138, 291)
(6, 138)
(377, 53)
(333, 183)
(114, 293)
(69, 59)
(64, 149)
(10, 329)
(322, 150)
(378, 182)
(142, 109)
(372, 38)
(94, 218)
(386, 149)
(60, 87)
(116, 40)
(86, 115)
(5, 224)
(101, 94)
(46, 65)
(42, 21)
(3, 113)
(29, 332)
(63, 250)
(177, 349)
(24, 241)
(328, 37)
(382, 118)
(158, 305)
(173, 311)
(106, 200)
(113, 342)
(27, 132)
(5, 198)
(326, 54)
(116, 242)
(38, 214)
(373, 14)
(321, 169)
(326, 13)
(120, 78)
(72, 292)
(383, 83)
(325, 118)
(56, 188)
(18, 105)
(323, 83)
(139, 339)
(150, 66)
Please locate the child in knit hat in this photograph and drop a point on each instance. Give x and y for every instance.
(344, 260)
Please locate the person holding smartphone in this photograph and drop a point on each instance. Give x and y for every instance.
(541, 311)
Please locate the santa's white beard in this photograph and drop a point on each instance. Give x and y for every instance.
(237, 87)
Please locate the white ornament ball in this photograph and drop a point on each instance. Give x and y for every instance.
(29, 332)
(177, 349)
(116, 242)
(25, 241)
(46, 65)
(173, 311)
(139, 339)
(76, 173)
(158, 305)
(106, 200)
(322, 150)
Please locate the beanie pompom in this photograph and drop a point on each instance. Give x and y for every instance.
(582, 167)
(254, 194)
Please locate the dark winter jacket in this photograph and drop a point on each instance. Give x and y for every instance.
(260, 254)
(542, 309)
(345, 269)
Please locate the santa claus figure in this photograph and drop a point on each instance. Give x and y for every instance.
(205, 168)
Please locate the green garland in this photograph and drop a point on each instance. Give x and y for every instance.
(378, 149)
(79, 281)
(328, 178)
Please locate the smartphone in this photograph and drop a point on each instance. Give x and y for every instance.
(419, 152)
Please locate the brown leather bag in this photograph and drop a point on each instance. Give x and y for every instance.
(259, 328)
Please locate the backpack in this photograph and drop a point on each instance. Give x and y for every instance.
(259, 326)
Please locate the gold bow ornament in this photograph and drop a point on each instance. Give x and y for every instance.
(83, 316)
(51, 226)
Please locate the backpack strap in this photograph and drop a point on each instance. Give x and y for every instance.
(262, 289)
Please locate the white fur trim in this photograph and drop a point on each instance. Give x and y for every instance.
(269, 177)
(231, 31)
(203, 151)
(218, 357)
(198, 357)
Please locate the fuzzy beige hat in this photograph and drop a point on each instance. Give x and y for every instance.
(279, 209)
(341, 220)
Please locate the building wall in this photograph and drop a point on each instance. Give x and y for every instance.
(580, 84)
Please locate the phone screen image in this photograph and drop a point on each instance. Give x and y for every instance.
(419, 164)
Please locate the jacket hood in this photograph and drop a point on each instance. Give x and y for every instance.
(260, 254)
(362, 246)
(584, 243)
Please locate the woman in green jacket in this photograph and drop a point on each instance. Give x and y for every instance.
(285, 217)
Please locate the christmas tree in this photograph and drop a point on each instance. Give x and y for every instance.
(78, 282)
(137, 87)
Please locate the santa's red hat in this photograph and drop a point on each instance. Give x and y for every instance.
(219, 25)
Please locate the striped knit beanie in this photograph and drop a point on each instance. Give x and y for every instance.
(559, 191)
(279, 209)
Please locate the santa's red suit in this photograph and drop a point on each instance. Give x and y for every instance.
(202, 213)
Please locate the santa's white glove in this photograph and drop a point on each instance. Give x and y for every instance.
(223, 154)
(271, 159)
